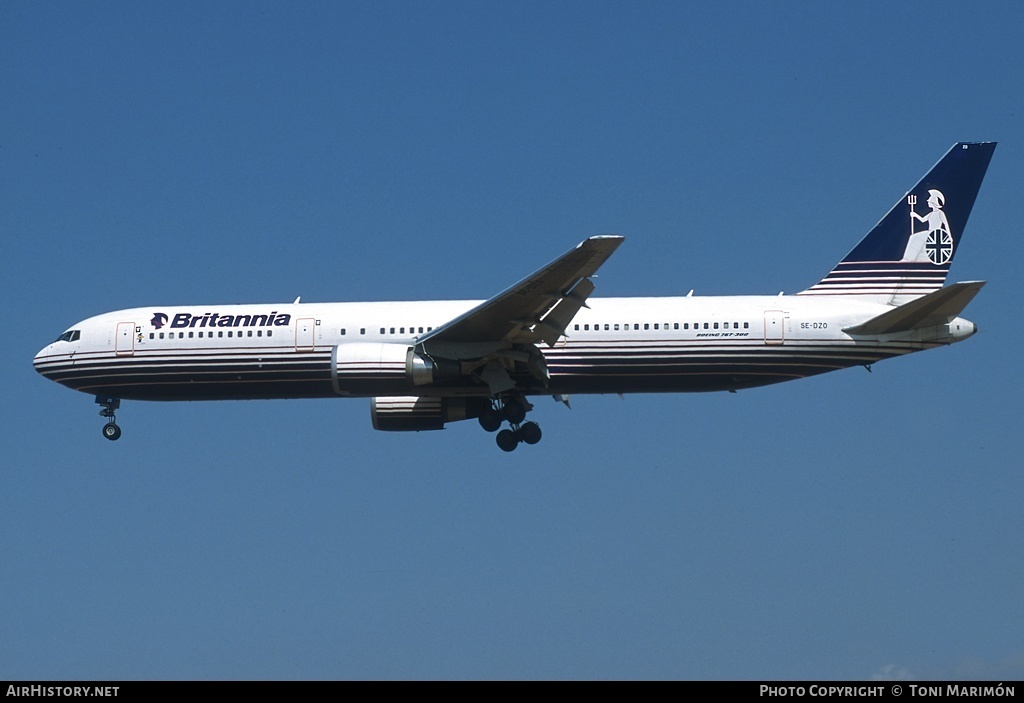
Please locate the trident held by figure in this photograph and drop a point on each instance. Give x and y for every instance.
(912, 201)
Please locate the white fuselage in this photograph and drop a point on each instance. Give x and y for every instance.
(618, 345)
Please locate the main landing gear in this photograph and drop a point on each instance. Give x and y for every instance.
(513, 409)
(110, 430)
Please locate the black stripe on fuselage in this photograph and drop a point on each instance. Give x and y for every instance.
(593, 366)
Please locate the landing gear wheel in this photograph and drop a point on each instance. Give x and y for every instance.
(507, 440)
(514, 411)
(530, 432)
(490, 420)
(110, 430)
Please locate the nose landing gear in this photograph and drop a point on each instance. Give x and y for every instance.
(110, 430)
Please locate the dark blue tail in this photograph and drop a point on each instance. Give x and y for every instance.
(909, 251)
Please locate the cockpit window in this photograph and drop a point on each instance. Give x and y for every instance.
(69, 336)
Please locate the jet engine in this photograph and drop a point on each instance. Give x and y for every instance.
(360, 368)
(415, 414)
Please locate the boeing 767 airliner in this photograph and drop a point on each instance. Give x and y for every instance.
(428, 363)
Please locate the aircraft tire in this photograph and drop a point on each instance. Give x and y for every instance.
(507, 440)
(514, 412)
(490, 420)
(530, 432)
(111, 431)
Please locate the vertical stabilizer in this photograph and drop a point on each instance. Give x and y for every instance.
(908, 253)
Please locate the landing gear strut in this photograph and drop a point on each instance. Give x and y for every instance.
(513, 409)
(110, 430)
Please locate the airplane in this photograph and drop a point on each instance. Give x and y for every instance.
(425, 364)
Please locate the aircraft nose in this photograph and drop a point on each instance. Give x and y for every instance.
(40, 359)
(37, 361)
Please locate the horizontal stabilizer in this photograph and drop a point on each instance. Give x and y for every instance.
(936, 308)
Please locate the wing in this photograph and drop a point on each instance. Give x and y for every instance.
(538, 308)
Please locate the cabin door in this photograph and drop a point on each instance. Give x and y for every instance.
(304, 328)
(774, 327)
(124, 340)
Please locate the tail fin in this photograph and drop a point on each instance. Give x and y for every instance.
(908, 253)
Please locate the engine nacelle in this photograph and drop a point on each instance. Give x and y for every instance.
(416, 414)
(362, 368)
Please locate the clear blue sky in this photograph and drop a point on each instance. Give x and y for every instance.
(847, 526)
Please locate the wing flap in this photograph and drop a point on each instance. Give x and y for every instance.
(553, 324)
(936, 308)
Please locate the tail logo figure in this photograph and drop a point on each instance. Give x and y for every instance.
(935, 243)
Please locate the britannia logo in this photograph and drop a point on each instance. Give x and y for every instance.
(216, 319)
(935, 242)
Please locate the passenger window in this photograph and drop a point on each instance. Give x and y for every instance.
(676, 325)
(151, 335)
(362, 330)
(382, 330)
(606, 326)
(647, 326)
(259, 333)
(161, 335)
(249, 334)
(342, 331)
(616, 326)
(746, 325)
(191, 335)
(220, 333)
